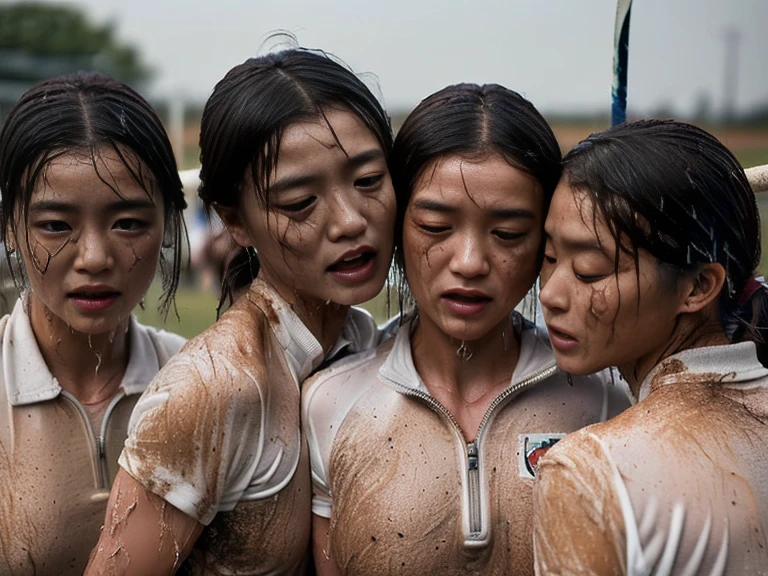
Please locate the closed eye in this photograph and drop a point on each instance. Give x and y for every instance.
(507, 236)
(297, 206)
(589, 278)
(369, 182)
(434, 229)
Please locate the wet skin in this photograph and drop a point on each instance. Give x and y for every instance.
(89, 253)
(599, 316)
(327, 235)
(471, 236)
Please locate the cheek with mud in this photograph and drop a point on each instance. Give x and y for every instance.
(601, 303)
(39, 255)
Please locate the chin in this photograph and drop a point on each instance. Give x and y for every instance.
(575, 366)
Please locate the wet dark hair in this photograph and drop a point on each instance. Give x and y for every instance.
(472, 121)
(246, 116)
(674, 190)
(84, 113)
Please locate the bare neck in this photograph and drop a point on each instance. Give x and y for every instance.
(465, 377)
(90, 367)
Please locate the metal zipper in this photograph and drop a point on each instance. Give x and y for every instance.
(473, 481)
(473, 448)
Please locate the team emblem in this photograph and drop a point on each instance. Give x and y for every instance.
(532, 448)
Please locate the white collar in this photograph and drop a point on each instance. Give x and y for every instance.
(535, 354)
(733, 363)
(29, 380)
(303, 351)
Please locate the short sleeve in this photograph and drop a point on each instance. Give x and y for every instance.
(578, 522)
(194, 434)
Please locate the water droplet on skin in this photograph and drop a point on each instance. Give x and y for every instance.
(98, 354)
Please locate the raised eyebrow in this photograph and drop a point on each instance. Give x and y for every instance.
(67, 208)
(433, 206)
(125, 204)
(291, 182)
(52, 206)
(365, 157)
(513, 213)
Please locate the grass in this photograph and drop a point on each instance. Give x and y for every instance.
(196, 311)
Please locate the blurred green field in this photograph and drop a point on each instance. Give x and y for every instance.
(197, 310)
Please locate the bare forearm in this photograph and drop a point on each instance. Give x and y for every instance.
(321, 547)
(143, 535)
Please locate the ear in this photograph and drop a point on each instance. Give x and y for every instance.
(230, 216)
(703, 288)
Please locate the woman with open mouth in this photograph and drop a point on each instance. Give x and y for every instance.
(90, 196)
(424, 451)
(652, 242)
(215, 472)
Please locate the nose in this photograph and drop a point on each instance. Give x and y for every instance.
(93, 252)
(346, 219)
(470, 258)
(553, 293)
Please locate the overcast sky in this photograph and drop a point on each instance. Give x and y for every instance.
(558, 53)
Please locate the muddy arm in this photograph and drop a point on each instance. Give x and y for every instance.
(142, 535)
(578, 525)
(321, 547)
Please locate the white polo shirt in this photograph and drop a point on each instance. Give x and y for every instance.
(677, 484)
(55, 470)
(399, 482)
(218, 436)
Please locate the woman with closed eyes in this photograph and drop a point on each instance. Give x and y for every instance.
(424, 450)
(653, 238)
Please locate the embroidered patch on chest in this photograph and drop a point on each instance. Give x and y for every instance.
(530, 449)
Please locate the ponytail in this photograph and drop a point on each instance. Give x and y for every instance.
(241, 270)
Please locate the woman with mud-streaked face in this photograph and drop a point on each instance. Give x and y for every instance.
(424, 451)
(90, 194)
(652, 240)
(215, 476)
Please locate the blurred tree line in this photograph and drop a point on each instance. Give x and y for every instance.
(39, 40)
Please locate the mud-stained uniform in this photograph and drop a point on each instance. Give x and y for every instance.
(677, 484)
(55, 469)
(217, 435)
(406, 494)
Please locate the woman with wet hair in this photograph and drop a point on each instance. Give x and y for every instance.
(90, 197)
(424, 451)
(215, 472)
(653, 239)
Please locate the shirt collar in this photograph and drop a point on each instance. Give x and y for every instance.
(28, 379)
(732, 363)
(303, 351)
(535, 355)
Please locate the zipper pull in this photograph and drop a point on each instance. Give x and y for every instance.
(472, 455)
(100, 447)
